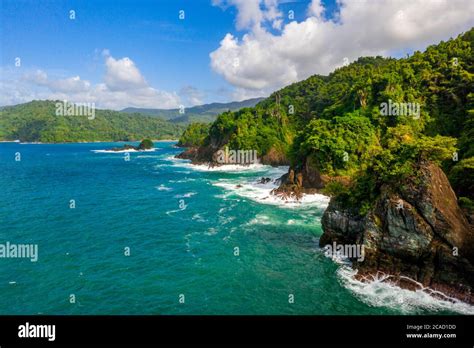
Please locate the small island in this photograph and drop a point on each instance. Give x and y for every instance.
(145, 144)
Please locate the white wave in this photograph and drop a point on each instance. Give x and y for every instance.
(261, 193)
(378, 292)
(163, 188)
(161, 165)
(172, 158)
(198, 217)
(228, 168)
(187, 238)
(182, 181)
(211, 231)
(260, 219)
(176, 210)
(225, 220)
(123, 151)
(186, 195)
(275, 172)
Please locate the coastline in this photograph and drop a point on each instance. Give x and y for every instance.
(245, 212)
(84, 142)
(250, 188)
(347, 273)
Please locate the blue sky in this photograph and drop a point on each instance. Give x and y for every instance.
(173, 61)
(171, 53)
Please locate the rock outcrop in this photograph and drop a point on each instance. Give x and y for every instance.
(197, 155)
(145, 144)
(415, 233)
(306, 179)
(275, 157)
(206, 155)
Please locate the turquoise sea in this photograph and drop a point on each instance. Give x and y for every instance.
(190, 231)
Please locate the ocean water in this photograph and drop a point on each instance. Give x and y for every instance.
(182, 225)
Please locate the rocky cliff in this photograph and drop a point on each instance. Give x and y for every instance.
(306, 179)
(416, 233)
(206, 155)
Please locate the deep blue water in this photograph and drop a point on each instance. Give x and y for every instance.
(182, 225)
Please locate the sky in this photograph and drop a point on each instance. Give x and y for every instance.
(168, 53)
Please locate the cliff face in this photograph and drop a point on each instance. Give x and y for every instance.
(307, 179)
(418, 232)
(206, 155)
(275, 157)
(197, 155)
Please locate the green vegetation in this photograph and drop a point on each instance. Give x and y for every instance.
(335, 122)
(206, 113)
(146, 144)
(256, 128)
(340, 145)
(462, 177)
(37, 121)
(194, 135)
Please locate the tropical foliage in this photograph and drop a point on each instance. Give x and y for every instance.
(336, 120)
(194, 134)
(37, 121)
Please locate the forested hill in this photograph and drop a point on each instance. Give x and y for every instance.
(37, 121)
(333, 125)
(199, 113)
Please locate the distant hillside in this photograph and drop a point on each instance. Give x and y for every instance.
(200, 113)
(37, 121)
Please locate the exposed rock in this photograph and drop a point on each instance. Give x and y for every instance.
(275, 157)
(206, 154)
(264, 180)
(291, 177)
(189, 153)
(299, 180)
(198, 155)
(416, 233)
(145, 144)
(125, 147)
(305, 180)
(312, 177)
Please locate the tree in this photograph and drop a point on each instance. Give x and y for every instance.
(146, 144)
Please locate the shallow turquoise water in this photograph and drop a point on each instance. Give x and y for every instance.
(182, 226)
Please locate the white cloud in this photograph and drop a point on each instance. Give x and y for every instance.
(122, 74)
(72, 84)
(262, 61)
(253, 12)
(123, 86)
(191, 96)
(69, 85)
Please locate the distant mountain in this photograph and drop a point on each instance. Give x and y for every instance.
(200, 113)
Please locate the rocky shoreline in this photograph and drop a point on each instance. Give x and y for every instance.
(205, 155)
(416, 237)
(145, 144)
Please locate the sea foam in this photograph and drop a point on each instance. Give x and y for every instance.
(261, 193)
(123, 151)
(379, 292)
